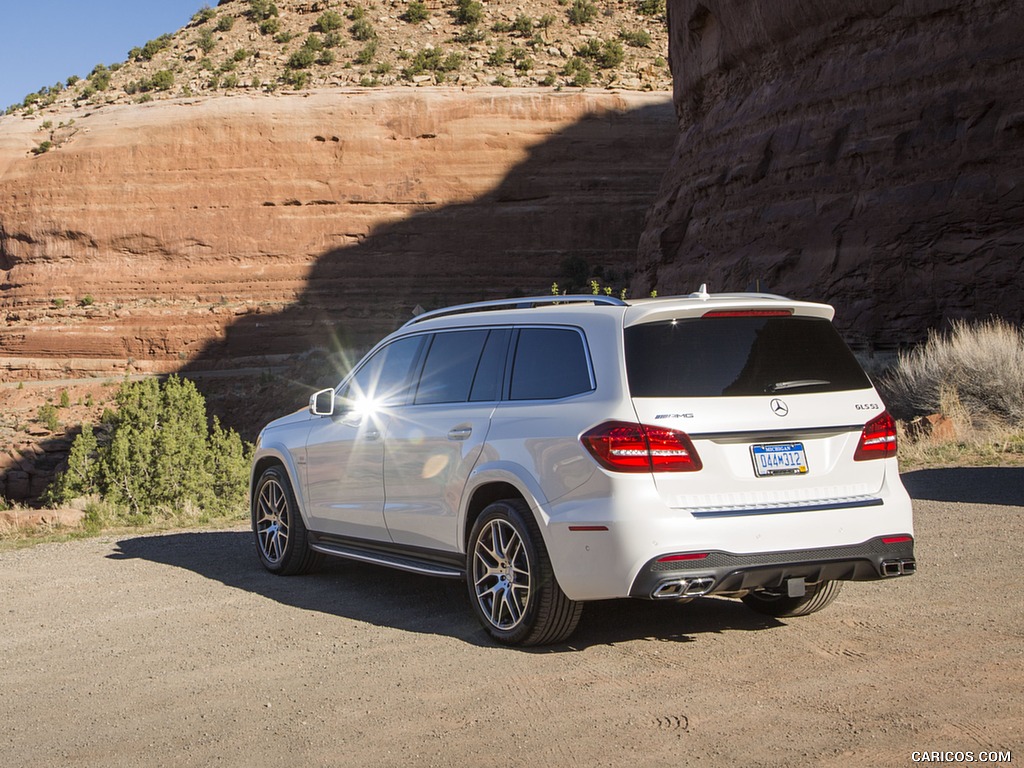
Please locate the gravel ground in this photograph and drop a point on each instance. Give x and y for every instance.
(179, 650)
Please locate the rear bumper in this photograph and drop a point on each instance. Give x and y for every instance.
(725, 572)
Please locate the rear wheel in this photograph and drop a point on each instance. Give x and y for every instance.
(777, 603)
(282, 541)
(511, 584)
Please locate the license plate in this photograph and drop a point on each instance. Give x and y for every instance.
(779, 459)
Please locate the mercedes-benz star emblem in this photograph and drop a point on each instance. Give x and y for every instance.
(779, 408)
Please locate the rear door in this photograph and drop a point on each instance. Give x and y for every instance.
(774, 403)
(433, 443)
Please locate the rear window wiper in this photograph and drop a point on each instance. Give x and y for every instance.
(796, 384)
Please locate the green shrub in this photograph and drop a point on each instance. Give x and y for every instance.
(523, 25)
(302, 58)
(363, 30)
(328, 22)
(57, 303)
(240, 55)
(285, 36)
(296, 79)
(578, 71)
(86, 301)
(651, 7)
(582, 12)
(225, 23)
(498, 57)
(261, 10)
(99, 78)
(469, 35)
(325, 58)
(65, 399)
(205, 41)
(47, 415)
(270, 26)
(153, 47)
(545, 21)
(332, 40)
(203, 15)
(356, 13)
(636, 39)
(366, 54)
(313, 42)
(43, 148)
(161, 454)
(162, 80)
(468, 12)
(415, 13)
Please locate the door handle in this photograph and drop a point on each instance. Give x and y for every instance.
(371, 435)
(459, 433)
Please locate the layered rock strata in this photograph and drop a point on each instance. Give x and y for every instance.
(868, 153)
(156, 235)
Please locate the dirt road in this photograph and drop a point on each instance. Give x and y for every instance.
(178, 650)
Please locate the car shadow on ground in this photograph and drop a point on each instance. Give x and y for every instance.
(391, 598)
(978, 485)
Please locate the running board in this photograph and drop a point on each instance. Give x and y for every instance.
(401, 562)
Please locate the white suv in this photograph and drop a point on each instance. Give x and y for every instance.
(561, 449)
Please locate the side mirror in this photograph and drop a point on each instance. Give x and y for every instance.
(322, 403)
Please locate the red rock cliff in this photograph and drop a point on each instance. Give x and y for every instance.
(865, 152)
(239, 227)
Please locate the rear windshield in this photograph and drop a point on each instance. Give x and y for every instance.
(739, 356)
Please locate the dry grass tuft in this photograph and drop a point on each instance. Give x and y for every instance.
(974, 376)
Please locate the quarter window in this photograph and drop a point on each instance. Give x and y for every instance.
(550, 363)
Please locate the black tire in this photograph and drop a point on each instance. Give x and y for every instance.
(282, 541)
(512, 587)
(777, 604)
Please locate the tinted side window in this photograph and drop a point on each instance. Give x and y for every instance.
(739, 356)
(451, 363)
(549, 363)
(491, 371)
(385, 376)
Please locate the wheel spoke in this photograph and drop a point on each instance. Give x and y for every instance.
(501, 574)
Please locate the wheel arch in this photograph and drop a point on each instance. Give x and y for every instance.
(269, 457)
(484, 495)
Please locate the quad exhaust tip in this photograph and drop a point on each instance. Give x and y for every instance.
(899, 567)
(694, 587)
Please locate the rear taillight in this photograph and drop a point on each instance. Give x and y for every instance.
(623, 446)
(878, 439)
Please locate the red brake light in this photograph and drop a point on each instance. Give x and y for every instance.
(878, 439)
(629, 447)
(678, 558)
(748, 313)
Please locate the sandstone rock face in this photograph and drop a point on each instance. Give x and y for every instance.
(192, 232)
(865, 152)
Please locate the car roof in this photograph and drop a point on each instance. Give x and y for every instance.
(554, 308)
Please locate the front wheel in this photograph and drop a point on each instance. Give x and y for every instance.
(511, 583)
(778, 604)
(282, 541)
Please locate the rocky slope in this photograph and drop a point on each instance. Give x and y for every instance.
(258, 46)
(868, 153)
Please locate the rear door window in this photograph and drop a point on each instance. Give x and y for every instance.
(550, 363)
(739, 356)
(451, 364)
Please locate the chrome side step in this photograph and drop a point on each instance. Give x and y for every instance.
(400, 562)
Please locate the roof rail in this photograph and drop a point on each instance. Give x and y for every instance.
(527, 302)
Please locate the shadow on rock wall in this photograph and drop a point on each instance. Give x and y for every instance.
(581, 194)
